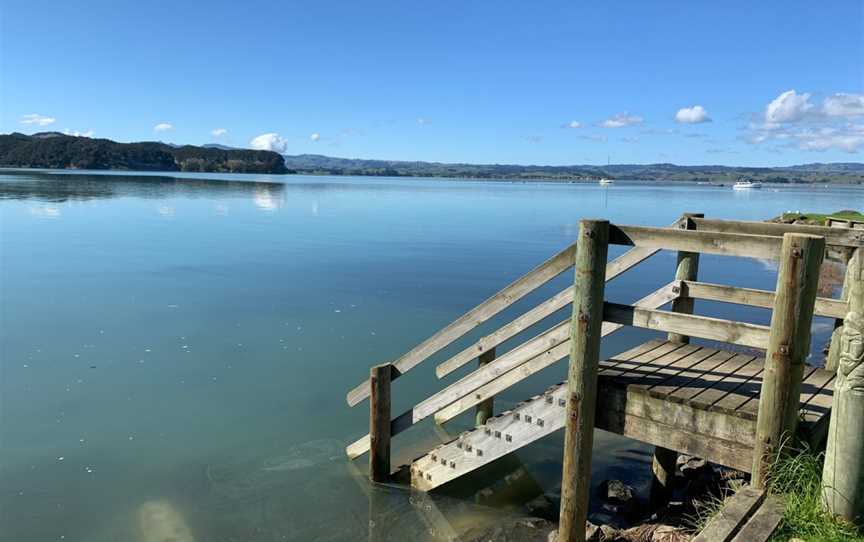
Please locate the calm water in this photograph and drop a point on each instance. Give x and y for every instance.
(177, 349)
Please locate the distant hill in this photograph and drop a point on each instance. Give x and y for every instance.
(316, 164)
(56, 150)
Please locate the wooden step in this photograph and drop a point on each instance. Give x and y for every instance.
(499, 436)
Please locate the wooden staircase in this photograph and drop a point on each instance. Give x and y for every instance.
(686, 397)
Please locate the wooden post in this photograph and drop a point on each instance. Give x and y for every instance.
(843, 473)
(485, 409)
(788, 346)
(665, 460)
(380, 377)
(853, 269)
(587, 319)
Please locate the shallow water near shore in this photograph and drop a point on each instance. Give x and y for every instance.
(185, 342)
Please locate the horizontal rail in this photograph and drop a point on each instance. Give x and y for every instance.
(522, 286)
(717, 329)
(833, 236)
(832, 308)
(652, 301)
(726, 244)
(560, 300)
(541, 346)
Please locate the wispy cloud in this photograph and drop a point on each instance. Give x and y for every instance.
(37, 119)
(692, 115)
(163, 127)
(218, 132)
(270, 141)
(630, 139)
(621, 120)
(573, 124)
(534, 139)
(844, 105)
(423, 120)
(594, 137)
(315, 137)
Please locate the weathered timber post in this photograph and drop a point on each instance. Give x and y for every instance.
(788, 346)
(380, 377)
(853, 269)
(665, 460)
(485, 409)
(843, 473)
(591, 251)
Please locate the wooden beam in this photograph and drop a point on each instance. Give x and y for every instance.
(831, 308)
(726, 244)
(486, 409)
(379, 422)
(581, 406)
(835, 237)
(704, 327)
(522, 286)
(654, 300)
(736, 511)
(560, 300)
(788, 347)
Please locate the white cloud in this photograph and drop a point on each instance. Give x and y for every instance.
(594, 137)
(163, 127)
(692, 115)
(76, 133)
(315, 137)
(788, 107)
(218, 132)
(423, 120)
(573, 124)
(843, 105)
(621, 120)
(37, 119)
(847, 139)
(270, 141)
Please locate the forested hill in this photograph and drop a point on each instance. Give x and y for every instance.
(56, 150)
(850, 173)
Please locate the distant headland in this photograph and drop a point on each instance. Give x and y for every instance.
(61, 151)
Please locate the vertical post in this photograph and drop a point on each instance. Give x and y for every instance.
(843, 472)
(380, 377)
(853, 269)
(665, 460)
(485, 409)
(591, 251)
(788, 346)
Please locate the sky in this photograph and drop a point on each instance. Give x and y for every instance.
(552, 82)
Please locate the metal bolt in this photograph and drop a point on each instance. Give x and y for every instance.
(784, 349)
(797, 253)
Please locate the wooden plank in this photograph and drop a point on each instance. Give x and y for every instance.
(700, 375)
(833, 236)
(717, 329)
(832, 308)
(536, 364)
(557, 302)
(763, 523)
(735, 513)
(657, 371)
(726, 244)
(748, 407)
(516, 290)
(736, 371)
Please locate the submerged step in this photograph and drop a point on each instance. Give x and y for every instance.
(499, 436)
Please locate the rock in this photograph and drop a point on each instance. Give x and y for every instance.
(513, 530)
(608, 533)
(667, 533)
(543, 507)
(693, 467)
(592, 534)
(616, 491)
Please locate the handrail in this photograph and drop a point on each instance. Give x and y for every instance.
(836, 237)
(726, 244)
(476, 316)
(509, 363)
(717, 329)
(832, 308)
(560, 300)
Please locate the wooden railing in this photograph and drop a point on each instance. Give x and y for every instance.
(687, 235)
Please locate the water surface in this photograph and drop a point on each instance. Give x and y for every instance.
(185, 342)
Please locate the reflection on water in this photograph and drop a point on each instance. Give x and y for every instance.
(175, 350)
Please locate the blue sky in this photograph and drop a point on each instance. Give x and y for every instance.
(468, 80)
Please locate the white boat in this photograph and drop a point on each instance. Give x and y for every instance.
(746, 185)
(606, 181)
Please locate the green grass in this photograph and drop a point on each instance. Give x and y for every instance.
(796, 476)
(817, 218)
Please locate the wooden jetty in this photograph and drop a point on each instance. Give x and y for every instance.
(730, 408)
